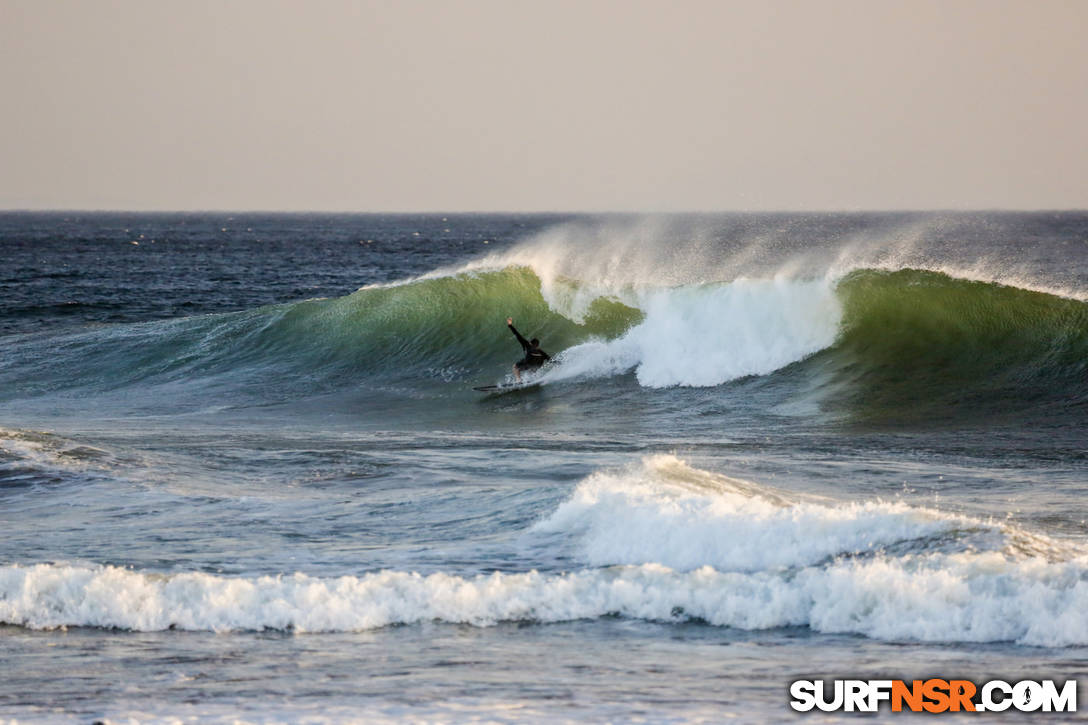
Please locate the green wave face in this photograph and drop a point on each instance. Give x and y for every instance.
(435, 324)
(918, 344)
(437, 330)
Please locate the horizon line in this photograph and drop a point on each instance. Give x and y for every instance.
(542, 212)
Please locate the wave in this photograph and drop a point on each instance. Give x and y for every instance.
(935, 599)
(32, 458)
(916, 343)
(891, 344)
(662, 542)
(666, 512)
(904, 344)
(450, 328)
(425, 330)
(710, 334)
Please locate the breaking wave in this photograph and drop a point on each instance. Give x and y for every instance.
(881, 344)
(661, 541)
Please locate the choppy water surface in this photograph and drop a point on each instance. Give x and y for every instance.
(243, 472)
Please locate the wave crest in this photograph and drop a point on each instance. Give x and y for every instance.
(908, 345)
(980, 598)
(662, 541)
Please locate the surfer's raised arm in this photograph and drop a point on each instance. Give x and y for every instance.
(524, 343)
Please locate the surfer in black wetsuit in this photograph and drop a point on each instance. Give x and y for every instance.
(534, 356)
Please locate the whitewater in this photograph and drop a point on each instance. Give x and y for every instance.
(244, 474)
(667, 543)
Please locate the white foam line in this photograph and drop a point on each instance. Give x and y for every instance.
(975, 598)
(667, 512)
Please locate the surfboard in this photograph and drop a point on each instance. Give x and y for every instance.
(505, 387)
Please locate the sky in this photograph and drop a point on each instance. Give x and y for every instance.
(561, 105)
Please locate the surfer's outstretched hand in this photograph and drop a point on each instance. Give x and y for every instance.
(509, 320)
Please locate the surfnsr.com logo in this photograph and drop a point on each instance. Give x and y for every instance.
(933, 695)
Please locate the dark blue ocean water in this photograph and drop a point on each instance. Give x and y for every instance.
(244, 474)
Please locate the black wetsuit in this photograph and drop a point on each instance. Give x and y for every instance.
(534, 356)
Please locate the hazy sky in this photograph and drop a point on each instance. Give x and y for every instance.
(549, 105)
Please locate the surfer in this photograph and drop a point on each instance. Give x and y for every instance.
(534, 356)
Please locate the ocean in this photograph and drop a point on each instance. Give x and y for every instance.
(244, 475)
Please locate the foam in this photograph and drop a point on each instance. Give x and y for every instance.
(666, 512)
(710, 334)
(976, 598)
(661, 541)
